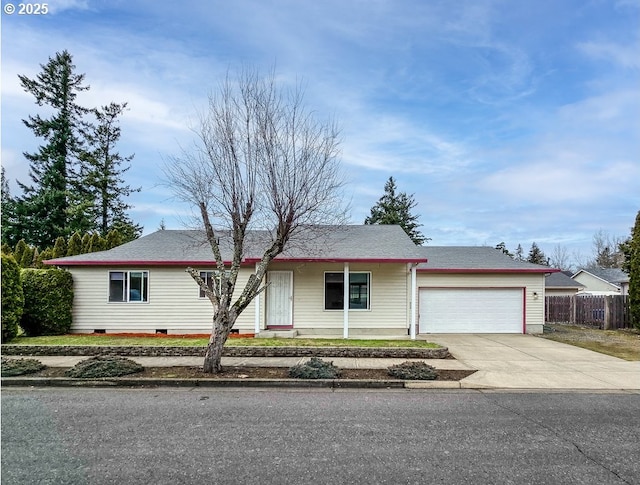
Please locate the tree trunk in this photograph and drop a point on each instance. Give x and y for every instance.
(212, 358)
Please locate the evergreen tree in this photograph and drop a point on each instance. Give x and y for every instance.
(394, 208)
(536, 256)
(503, 248)
(43, 211)
(26, 261)
(519, 256)
(44, 255)
(96, 243)
(634, 273)
(75, 245)
(19, 250)
(11, 229)
(103, 170)
(86, 243)
(60, 248)
(114, 239)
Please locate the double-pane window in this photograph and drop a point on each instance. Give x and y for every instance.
(129, 286)
(359, 287)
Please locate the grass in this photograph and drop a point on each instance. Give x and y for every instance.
(106, 340)
(624, 344)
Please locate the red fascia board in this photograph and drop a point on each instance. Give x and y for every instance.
(338, 260)
(485, 270)
(134, 263)
(246, 262)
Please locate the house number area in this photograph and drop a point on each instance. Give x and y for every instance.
(26, 9)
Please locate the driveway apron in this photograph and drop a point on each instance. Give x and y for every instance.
(509, 361)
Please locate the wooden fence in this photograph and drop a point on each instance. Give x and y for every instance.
(605, 312)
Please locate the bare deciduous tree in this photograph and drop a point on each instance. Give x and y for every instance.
(262, 161)
(560, 258)
(606, 250)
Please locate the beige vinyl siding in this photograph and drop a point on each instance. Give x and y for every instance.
(388, 296)
(532, 282)
(174, 303)
(593, 283)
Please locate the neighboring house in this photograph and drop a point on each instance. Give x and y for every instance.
(603, 281)
(394, 287)
(561, 284)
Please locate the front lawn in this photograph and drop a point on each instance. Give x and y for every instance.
(624, 344)
(177, 341)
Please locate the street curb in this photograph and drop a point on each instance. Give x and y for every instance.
(248, 383)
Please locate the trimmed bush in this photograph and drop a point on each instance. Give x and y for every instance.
(414, 371)
(48, 301)
(104, 366)
(12, 298)
(19, 367)
(314, 368)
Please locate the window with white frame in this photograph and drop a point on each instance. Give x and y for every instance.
(211, 278)
(359, 291)
(129, 286)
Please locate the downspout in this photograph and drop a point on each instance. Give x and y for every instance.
(345, 299)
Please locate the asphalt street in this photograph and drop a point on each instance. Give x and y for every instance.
(172, 436)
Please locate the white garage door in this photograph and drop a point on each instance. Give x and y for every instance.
(471, 310)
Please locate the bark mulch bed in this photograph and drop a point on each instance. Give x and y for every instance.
(183, 372)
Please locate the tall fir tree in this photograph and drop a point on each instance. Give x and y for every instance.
(11, 233)
(519, 255)
(44, 209)
(394, 208)
(536, 256)
(103, 170)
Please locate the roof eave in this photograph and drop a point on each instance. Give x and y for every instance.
(488, 270)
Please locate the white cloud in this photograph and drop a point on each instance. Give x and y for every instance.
(624, 55)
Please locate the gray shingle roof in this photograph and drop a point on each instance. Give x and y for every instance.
(614, 276)
(328, 243)
(561, 280)
(474, 258)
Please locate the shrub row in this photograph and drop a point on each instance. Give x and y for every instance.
(40, 301)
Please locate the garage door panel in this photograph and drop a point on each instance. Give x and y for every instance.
(471, 310)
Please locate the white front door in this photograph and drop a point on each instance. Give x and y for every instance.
(280, 299)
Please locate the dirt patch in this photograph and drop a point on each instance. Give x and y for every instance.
(183, 372)
(623, 343)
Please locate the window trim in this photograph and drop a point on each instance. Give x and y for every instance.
(127, 286)
(324, 291)
(206, 272)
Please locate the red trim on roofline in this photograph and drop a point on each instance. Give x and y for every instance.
(246, 262)
(486, 270)
(53, 262)
(339, 260)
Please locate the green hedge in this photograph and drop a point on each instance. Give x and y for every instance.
(48, 301)
(12, 297)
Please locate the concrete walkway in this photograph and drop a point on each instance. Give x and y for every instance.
(527, 362)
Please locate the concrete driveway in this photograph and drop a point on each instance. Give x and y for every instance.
(527, 362)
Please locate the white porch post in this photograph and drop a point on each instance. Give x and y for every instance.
(345, 299)
(257, 309)
(414, 307)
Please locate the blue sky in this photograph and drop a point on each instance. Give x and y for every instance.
(514, 121)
